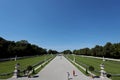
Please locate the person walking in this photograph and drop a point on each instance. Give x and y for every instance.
(68, 75)
(73, 72)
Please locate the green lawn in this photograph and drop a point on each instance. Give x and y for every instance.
(110, 66)
(8, 66)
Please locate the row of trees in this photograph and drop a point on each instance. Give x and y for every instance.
(24, 48)
(108, 50)
(20, 48)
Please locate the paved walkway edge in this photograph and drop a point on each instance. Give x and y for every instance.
(42, 64)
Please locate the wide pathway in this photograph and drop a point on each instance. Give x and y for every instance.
(59, 69)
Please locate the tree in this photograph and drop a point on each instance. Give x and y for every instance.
(67, 52)
(52, 51)
(91, 68)
(76, 52)
(98, 50)
(108, 49)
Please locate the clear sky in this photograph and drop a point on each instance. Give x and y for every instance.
(61, 24)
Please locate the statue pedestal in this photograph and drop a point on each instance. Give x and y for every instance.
(103, 73)
(15, 73)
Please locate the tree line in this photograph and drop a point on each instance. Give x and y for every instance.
(21, 48)
(109, 50)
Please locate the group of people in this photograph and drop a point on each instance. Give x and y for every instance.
(74, 74)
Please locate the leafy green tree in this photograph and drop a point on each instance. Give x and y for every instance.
(67, 52)
(91, 68)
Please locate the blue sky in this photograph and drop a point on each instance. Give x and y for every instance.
(61, 24)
